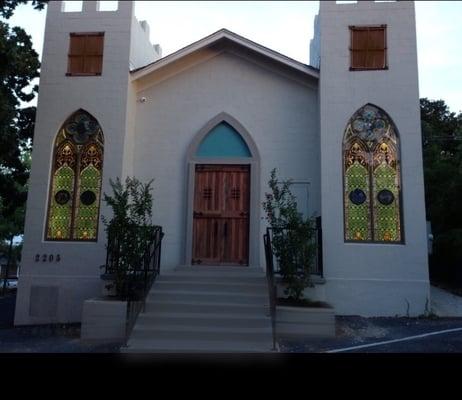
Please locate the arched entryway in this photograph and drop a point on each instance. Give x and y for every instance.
(223, 195)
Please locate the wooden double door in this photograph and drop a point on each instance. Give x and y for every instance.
(221, 215)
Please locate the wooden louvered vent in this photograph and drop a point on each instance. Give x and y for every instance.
(85, 54)
(368, 47)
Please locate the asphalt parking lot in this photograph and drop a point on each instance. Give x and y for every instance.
(41, 339)
(370, 335)
(354, 335)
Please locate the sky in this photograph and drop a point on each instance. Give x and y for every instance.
(287, 27)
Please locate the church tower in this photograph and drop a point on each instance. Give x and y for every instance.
(373, 211)
(82, 139)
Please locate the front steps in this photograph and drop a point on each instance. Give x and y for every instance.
(205, 309)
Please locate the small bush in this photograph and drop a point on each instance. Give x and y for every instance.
(130, 228)
(292, 237)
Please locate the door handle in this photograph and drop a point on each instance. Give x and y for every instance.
(198, 214)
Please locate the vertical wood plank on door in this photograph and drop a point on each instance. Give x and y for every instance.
(221, 214)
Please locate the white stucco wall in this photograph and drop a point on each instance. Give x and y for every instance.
(315, 44)
(279, 113)
(372, 279)
(76, 275)
(142, 52)
(280, 110)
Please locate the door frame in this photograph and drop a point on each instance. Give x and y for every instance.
(254, 204)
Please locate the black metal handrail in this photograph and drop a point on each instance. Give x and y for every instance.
(136, 275)
(272, 289)
(317, 266)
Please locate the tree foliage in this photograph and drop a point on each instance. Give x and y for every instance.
(292, 237)
(130, 229)
(442, 155)
(7, 7)
(19, 65)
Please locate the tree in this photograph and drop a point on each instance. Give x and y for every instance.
(19, 65)
(441, 121)
(442, 155)
(7, 7)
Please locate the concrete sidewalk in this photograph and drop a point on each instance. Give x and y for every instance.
(444, 303)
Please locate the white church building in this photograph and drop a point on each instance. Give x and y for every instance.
(213, 119)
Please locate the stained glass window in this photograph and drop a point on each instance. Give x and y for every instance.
(371, 172)
(73, 210)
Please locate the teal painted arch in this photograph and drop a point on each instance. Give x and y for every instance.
(223, 141)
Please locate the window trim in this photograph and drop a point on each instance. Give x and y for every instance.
(69, 55)
(353, 28)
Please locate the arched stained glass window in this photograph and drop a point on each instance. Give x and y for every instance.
(372, 178)
(75, 192)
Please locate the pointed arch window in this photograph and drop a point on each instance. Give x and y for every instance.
(372, 178)
(75, 190)
(223, 141)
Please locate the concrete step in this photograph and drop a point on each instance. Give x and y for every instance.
(206, 320)
(211, 286)
(212, 277)
(220, 269)
(204, 307)
(195, 346)
(207, 296)
(206, 333)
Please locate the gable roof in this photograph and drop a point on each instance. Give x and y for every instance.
(223, 35)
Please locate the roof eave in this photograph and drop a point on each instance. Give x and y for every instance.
(215, 37)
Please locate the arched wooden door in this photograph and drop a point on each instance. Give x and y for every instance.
(221, 214)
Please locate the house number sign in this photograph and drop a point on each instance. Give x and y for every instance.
(47, 257)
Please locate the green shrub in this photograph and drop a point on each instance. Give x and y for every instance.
(130, 229)
(292, 237)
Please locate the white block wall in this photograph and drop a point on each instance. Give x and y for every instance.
(76, 275)
(280, 114)
(142, 52)
(279, 110)
(372, 279)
